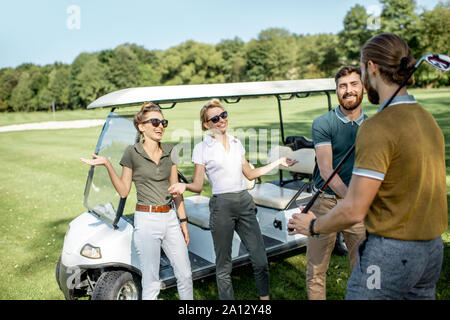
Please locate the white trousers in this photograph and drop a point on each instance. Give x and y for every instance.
(153, 230)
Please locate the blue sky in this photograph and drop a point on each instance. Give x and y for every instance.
(37, 31)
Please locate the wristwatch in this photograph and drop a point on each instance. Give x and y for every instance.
(184, 220)
(311, 228)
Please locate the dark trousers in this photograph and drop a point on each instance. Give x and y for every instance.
(231, 212)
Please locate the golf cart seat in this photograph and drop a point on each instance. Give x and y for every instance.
(273, 196)
(197, 207)
(197, 210)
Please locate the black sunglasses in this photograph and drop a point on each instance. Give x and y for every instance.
(155, 122)
(216, 119)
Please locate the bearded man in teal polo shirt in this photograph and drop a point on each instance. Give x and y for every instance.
(333, 134)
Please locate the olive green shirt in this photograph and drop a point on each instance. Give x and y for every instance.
(403, 147)
(152, 180)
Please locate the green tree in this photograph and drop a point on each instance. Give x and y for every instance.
(8, 81)
(88, 80)
(57, 90)
(22, 94)
(399, 17)
(318, 56)
(234, 62)
(435, 26)
(122, 68)
(355, 34)
(149, 69)
(271, 56)
(148, 75)
(191, 63)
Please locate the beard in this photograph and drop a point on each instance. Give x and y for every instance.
(372, 93)
(350, 105)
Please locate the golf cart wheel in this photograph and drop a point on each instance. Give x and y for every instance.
(117, 285)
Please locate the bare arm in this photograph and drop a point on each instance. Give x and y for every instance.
(324, 155)
(178, 199)
(122, 184)
(196, 186)
(179, 203)
(253, 173)
(352, 209)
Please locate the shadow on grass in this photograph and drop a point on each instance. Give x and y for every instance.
(287, 280)
(46, 247)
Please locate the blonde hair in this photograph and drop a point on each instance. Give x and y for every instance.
(213, 103)
(392, 55)
(139, 117)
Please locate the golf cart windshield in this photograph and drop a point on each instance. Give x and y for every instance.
(100, 195)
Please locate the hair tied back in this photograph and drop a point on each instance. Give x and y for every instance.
(404, 63)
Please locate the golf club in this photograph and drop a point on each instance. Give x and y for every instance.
(439, 61)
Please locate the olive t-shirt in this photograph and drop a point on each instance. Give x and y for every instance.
(404, 148)
(151, 179)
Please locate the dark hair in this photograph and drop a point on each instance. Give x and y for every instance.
(139, 117)
(392, 55)
(345, 71)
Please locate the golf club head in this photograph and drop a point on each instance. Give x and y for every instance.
(439, 61)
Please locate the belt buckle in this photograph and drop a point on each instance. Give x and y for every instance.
(163, 208)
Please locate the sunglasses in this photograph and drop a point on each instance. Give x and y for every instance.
(216, 119)
(155, 122)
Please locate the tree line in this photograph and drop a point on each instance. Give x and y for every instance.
(275, 54)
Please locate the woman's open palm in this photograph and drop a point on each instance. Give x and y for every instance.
(98, 160)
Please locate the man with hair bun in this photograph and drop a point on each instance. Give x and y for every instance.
(398, 186)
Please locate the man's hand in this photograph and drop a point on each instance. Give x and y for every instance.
(300, 223)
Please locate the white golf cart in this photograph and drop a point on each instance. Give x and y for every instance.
(98, 259)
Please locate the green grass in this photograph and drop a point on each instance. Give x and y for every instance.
(43, 181)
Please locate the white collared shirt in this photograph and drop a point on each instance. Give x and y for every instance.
(224, 169)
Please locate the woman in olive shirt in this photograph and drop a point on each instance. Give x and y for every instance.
(149, 165)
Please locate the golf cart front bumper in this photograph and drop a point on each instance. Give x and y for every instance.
(69, 281)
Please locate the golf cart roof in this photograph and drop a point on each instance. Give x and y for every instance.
(185, 93)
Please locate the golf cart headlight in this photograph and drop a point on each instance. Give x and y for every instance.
(91, 252)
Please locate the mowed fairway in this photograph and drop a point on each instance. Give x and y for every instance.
(43, 181)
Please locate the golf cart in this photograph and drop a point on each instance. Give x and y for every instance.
(98, 259)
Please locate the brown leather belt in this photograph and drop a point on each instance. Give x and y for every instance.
(163, 209)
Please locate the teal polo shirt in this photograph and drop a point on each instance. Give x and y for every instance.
(335, 129)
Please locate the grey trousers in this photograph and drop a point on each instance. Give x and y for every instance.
(153, 231)
(230, 212)
(390, 269)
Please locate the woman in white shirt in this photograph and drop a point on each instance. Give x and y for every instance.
(222, 157)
